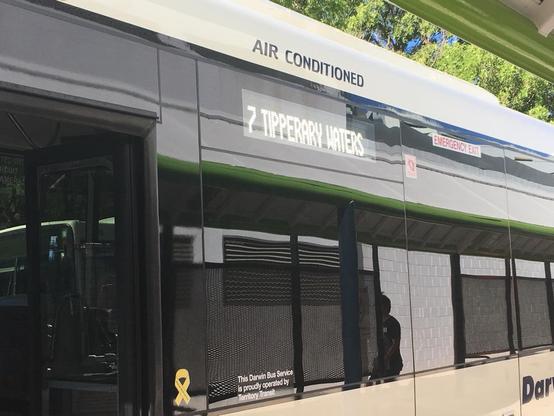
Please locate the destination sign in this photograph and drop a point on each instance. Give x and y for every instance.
(275, 119)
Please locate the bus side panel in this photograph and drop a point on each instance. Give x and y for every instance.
(75, 60)
(395, 399)
(488, 389)
(537, 384)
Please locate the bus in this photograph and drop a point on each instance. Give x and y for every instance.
(224, 207)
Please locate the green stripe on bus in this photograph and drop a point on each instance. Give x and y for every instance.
(238, 175)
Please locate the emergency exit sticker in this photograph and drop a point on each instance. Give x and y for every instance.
(456, 145)
(411, 166)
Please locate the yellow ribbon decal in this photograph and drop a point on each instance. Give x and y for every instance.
(182, 382)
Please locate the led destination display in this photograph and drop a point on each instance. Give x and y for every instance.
(275, 119)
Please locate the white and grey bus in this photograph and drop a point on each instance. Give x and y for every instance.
(202, 204)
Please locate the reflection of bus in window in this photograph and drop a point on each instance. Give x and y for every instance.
(263, 209)
(78, 285)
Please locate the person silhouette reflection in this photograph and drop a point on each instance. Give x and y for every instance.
(392, 359)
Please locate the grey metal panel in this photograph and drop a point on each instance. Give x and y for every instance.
(152, 261)
(60, 107)
(182, 278)
(178, 131)
(50, 54)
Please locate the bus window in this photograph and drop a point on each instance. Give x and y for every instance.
(533, 292)
(291, 303)
(12, 262)
(249, 313)
(459, 243)
(14, 317)
(321, 317)
(12, 216)
(274, 299)
(530, 185)
(79, 309)
(273, 249)
(385, 316)
(459, 257)
(486, 286)
(12, 191)
(385, 310)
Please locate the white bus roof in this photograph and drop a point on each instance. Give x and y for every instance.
(233, 27)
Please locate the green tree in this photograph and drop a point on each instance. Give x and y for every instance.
(331, 12)
(384, 24)
(514, 87)
(390, 27)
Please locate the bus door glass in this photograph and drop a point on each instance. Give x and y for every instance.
(77, 281)
(77, 285)
(14, 311)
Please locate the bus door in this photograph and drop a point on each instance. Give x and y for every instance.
(82, 254)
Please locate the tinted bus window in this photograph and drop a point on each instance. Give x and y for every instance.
(533, 293)
(12, 214)
(273, 298)
(485, 285)
(459, 245)
(460, 271)
(286, 174)
(13, 284)
(530, 189)
(383, 270)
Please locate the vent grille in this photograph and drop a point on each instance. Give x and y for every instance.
(318, 256)
(183, 251)
(247, 250)
(257, 251)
